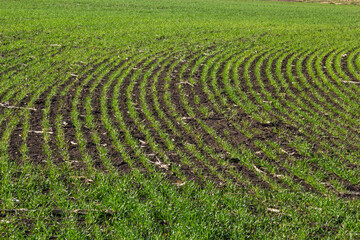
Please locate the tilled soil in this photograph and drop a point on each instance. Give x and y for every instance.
(207, 127)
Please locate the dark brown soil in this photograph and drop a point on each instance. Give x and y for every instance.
(215, 136)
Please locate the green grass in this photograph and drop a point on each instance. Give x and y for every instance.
(174, 119)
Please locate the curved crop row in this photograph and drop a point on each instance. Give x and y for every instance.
(283, 118)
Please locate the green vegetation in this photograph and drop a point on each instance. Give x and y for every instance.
(179, 120)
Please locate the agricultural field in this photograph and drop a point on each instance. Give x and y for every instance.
(191, 119)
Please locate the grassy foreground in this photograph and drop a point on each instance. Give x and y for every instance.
(179, 120)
